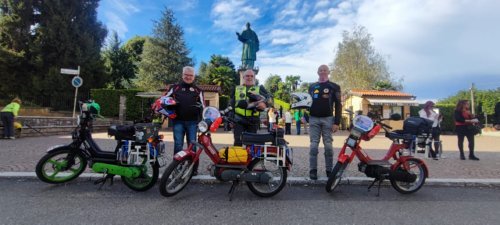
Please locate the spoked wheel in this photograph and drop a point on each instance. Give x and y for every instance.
(413, 166)
(60, 166)
(335, 177)
(176, 177)
(275, 172)
(147, 179)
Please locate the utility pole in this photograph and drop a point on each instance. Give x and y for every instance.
(472, 99)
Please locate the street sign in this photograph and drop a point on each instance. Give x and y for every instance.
(77, 81)
(70, 71)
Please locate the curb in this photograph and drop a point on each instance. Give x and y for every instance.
(206, 179)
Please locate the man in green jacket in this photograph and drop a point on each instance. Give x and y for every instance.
(298, 116)
(7, 115)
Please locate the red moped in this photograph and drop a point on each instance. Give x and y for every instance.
(262, 163)
(406, 173)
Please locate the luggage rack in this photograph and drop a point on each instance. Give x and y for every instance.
(279, 153)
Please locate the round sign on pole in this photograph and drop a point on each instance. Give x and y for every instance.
(77, 81)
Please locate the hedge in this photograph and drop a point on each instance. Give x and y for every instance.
(281, 103)
(109, 100)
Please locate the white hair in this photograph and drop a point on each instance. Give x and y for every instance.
(190, 68)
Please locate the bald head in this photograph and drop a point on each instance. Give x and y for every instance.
(323, 72)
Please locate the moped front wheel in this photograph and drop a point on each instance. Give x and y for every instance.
(147, 179)
(176, 177)
(335, 176)
(412, 166)
(61, 165)
(277, 177)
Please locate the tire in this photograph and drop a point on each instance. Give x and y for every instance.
(146, 180)
(50, 165)
(176, 170)
(277, 183)
(416, 167)
(335, 177)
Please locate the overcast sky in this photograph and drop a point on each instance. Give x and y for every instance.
(438, 47)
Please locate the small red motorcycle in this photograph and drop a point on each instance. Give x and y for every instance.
(406, 173)
(262, 164)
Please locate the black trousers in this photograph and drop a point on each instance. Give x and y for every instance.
(288, 128)
(8, 124)
(462, 132)
(244, 124)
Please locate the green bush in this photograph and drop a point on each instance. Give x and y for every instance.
(447, 110)
(109, 100)
(281, 103)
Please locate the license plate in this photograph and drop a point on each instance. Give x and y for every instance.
(351, 142)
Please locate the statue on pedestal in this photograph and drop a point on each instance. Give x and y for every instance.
(250, 47)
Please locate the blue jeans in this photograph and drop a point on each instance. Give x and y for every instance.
(320, 127)
(297, 124)
(181, 129)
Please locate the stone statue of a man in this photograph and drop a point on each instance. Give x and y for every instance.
(250, 47)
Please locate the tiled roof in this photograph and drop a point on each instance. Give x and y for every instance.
(386, 93)
(203, 87)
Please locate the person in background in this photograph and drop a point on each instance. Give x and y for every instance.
(325, 115)
(428, 113)
(272, 118)
(288, 122)
(281, 112)
(8, 114)
(298, 119)
(463, 119)
(305, 121)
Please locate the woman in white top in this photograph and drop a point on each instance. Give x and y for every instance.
(288, 122)
(272, 118)
(428, 113)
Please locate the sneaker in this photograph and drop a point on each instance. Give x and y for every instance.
(313, 174)
(12, 138)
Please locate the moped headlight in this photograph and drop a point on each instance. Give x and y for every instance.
(203, 126)
(355, 133)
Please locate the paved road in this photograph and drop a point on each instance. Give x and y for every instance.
(21, 155)
(33, 202)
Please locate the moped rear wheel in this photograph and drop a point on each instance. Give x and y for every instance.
(335, 177)
(277, 173)
(413, 166)
(176, 177)
(61, 165)
(146, 180)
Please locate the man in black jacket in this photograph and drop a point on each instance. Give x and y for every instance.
(325, 102)
(190, 104)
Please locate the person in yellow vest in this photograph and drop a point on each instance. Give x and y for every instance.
(8, 114)
(247, 116)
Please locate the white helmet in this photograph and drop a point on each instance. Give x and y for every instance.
(301, 100)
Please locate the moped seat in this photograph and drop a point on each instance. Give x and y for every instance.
(399, 135)
(258, 139)
(122, 132)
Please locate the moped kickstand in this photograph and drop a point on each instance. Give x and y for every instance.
(103, 180)
(379, 183)
(232, 189)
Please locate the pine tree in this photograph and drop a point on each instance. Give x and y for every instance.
(118, 64)
(68, 35)
(164, 54)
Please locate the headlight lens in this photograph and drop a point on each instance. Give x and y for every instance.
(202, 126)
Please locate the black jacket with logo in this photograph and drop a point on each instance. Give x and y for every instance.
(326, 100)
(190, 102)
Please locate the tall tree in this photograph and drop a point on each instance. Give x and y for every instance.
(134, 48)
(219, 71)
(484, 98)
(164, 54)
(16, 19)
(118, 64)
(272, 82)
(357, 64)
(68, 35)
